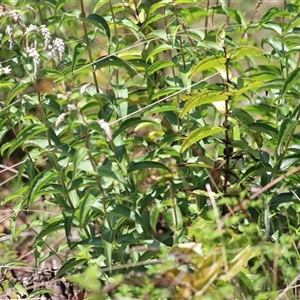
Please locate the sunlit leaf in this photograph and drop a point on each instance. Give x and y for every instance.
(154, 215)
(199, 134)
(208, 63)
(158, 65)
(196, 99)
(242, 52)
(158, 50)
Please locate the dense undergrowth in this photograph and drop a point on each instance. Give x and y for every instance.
(155, 145)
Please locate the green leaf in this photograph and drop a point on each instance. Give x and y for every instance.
(196, 99)
(79, 156)
(293, 24)
(152, 19)
(253, 85)
(245, 146)
(220, 36)
(130, 239)
(224, 6)
(167, 91)
(60, 4)
(276, 84)
(242, 52)
(130, 123)
(159, 108)
(264, 109)
(25, 134)
(69, 266)
(246, 284)
(113, 61)
(271, 14)
(199, 134)
(276, 44)
(282, 198)
(208, 63)
(257, 170)
(158, 65)
(53, 225)
(242, 116)
(154, 215)
(263, 128)
(158, 50)
(239, 262)
(4, 128)
(78, 51)
(174, 218)
(291, 80)
(63, 147)
(108, 241)
(40, 181)
(122, 211)
(6, 84)
(159, 33)
(39, 292)
(154, 7)
(193, 15)
(108, 171)
(20, 289)
(273, 26)
(135, 166)
(68, 222)
(85, 208)
(224, 10)
(287, 128)
(13, 220)
(99, 22)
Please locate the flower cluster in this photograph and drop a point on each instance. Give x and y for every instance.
(53, 47)
(4, 70)
(32, 52)
(57, 47)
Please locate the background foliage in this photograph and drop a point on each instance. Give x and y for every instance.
(156, 146)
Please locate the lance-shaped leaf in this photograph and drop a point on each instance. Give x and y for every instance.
(237, 53)
(158, 65)
(208, 63)
(99, 22)
(292, 78)
(253, 85)
(158, 50)
(199, 134)
(197, 99)
(135, 166)
(130, 123)
(113, 61)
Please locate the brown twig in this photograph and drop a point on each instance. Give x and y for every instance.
(262, 190)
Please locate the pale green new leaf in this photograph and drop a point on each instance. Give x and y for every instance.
(208, 63)
(242, 52)
(253, 85)
(158, 50)
(199, 134)
(197, 99)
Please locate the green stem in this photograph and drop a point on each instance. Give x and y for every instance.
(90, 56)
